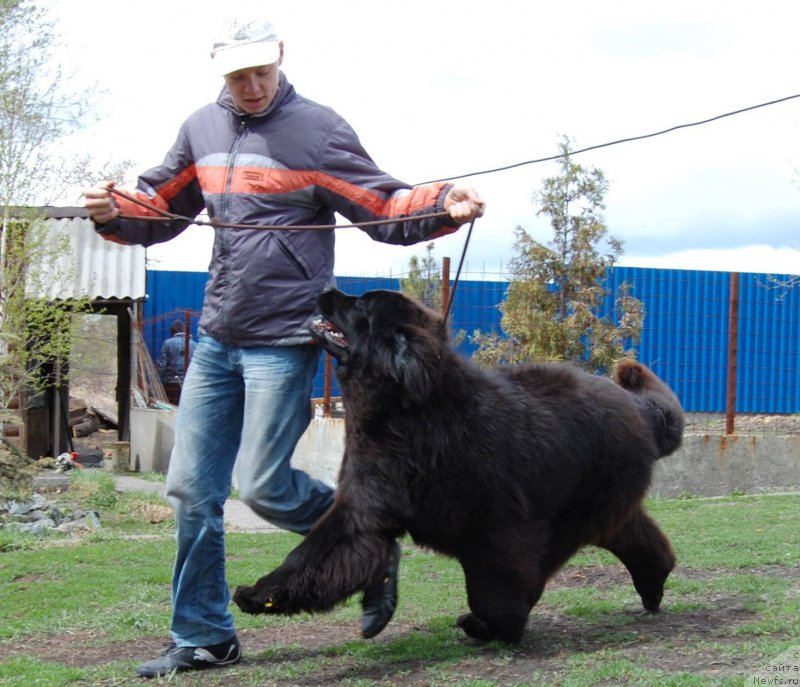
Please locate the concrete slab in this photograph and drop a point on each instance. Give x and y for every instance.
(238, 516)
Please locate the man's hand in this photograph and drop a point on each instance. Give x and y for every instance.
(463, 204)
(99, 203)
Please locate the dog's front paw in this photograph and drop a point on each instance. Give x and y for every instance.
(255, 600)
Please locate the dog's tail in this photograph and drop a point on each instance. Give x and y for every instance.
(660, 405)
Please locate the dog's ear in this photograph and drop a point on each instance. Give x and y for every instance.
(412, 372)
(405, 359)
(406, 347)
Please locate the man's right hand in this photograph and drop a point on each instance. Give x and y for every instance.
(99, 203)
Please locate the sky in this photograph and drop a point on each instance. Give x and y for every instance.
(442, 89)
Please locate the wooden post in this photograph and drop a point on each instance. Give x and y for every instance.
(445, 284)
(57, 416)
(127, 365)
(326, 400)
(733, 352)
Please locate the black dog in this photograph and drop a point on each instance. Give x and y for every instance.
(510, 471)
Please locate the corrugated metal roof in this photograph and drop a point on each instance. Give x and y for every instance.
(93, 267)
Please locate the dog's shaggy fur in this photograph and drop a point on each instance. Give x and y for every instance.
(510, 471)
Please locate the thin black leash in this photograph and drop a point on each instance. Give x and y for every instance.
(458, 271)
(162, 215)
(166, 216)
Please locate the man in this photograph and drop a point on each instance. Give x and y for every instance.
(172, 360)
(260, 155)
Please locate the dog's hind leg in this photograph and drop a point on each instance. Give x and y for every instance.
(646, 553)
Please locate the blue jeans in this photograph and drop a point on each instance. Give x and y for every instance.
(248, 406)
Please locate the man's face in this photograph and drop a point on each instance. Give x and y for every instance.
(254, 88)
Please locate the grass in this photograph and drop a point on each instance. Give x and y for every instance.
(733, 603)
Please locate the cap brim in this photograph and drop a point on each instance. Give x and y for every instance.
(227, 60)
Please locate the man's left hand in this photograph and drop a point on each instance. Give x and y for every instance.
(463, 204)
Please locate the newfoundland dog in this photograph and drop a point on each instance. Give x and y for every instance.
(509, 470)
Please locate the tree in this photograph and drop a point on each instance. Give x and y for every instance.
(37, 108)
(554, 309)
(424, 280)
(36, 111)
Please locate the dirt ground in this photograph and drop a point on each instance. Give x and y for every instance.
(672, 641)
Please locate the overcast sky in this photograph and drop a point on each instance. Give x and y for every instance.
(438, 89)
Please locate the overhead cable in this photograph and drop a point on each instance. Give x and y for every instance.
(617, 142)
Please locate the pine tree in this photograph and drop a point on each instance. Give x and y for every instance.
(424, 280)
(554, 308)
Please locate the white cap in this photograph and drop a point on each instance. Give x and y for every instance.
(244, 43)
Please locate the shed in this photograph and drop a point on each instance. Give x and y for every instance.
(112, 276)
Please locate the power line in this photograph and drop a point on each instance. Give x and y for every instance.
(617, 142)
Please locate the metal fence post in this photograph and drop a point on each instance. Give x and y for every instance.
(733, 352)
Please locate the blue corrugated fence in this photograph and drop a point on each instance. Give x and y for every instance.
(684, 339)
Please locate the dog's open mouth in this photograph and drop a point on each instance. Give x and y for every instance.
(330, 337)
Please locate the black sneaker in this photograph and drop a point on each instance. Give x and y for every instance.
(380, 599)
(176, 659)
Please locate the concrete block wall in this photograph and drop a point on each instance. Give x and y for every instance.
(705, 465)
(152, 436)
(321, 448)
(716, 465)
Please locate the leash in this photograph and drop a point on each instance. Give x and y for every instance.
(165, 216)
(458, 271)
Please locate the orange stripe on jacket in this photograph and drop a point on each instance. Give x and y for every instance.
(164, 194)
(271, 180)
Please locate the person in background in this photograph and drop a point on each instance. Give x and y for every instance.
(172, 360)
(262, 154)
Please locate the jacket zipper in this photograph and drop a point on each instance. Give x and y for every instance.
(224, 234)
(237, 142)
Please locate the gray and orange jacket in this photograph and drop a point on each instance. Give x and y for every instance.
(294, 164)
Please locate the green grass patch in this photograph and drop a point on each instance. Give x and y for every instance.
(18, 671)
(732, 532)
(731, 605)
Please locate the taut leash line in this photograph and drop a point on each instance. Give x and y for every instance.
(165, 216)
(458, 271)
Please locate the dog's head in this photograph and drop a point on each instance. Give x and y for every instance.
(383, 339)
